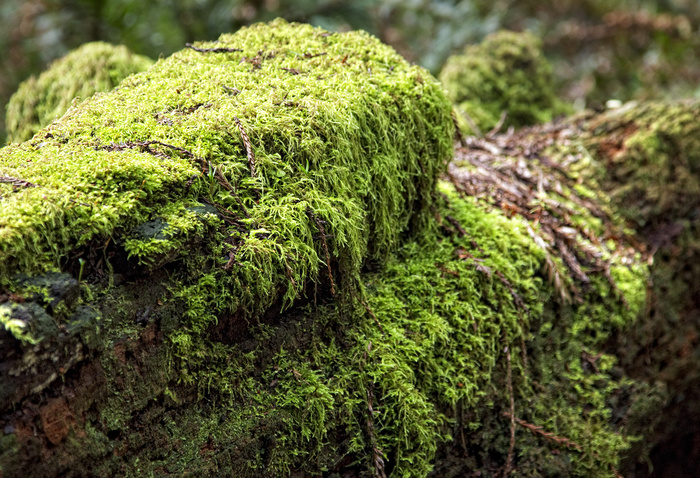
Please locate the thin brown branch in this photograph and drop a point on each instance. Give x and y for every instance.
(369, 311)
(511, 449)
(212, 50)
(311, 55)
(457, 226)
(537, 430)
(17, 183)
(498, 126)
(377, 454)
(248, 146)
(322, 230)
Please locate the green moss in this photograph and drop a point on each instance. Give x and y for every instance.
(649, 160)
(92, 68)
(506, 73)
(432, 344)
(649, 157)
(352, 141)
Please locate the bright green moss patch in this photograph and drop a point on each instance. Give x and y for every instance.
(506, 73)
(344, 136)
(92, 68)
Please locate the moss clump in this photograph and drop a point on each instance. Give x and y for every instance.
(411, 364)
(343, 136)
(92, 68)
(506, 73)
(317, 152)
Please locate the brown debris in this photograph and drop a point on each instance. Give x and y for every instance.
(512, 172)
(17, 183)
(248, 147)
(537, 430)
(322, 230)
(56, 420)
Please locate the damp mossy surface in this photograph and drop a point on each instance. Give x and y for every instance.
(94, 67)
(505, 74)
(649, 162)
(416, 360)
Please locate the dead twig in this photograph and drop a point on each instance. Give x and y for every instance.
(457, 226)
(17, 183)
(377, 455)
(511, 449)
(248, 147)
(537, 430)
(498, 126)
(212, 50)
(322, 230)
(310, 55)
(233, 91)
(369, 311)
(516, 298)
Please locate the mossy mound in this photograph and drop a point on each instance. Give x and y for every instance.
(645, 157)
(272, 280)
(506, 74)
(297, 132)
(92, 68)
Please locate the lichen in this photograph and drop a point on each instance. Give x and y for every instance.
(92, 68)
(506, 74)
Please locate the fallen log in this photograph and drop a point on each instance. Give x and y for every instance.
(244, 262)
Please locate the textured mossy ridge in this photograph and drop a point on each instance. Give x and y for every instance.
(505, 74)
(241, 263)
(92, 68)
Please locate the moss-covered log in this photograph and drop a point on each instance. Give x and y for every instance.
(645, 157)
(243, 263)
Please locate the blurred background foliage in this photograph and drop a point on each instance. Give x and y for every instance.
(600, 49)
